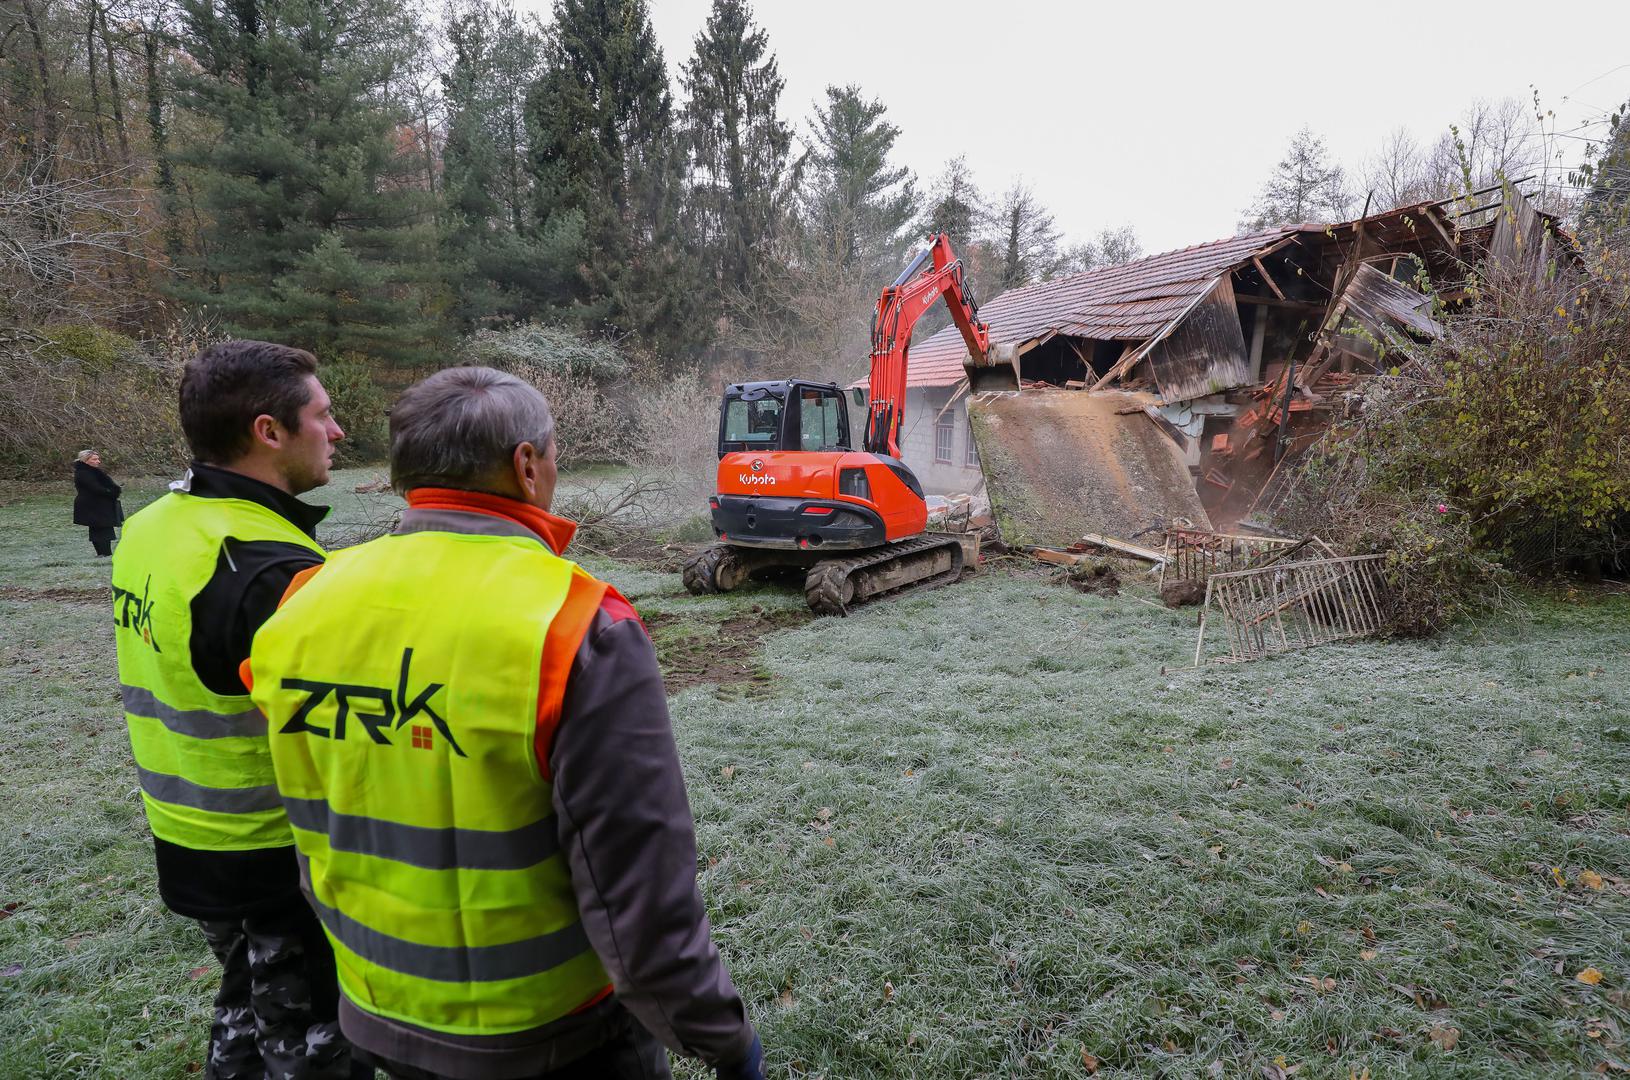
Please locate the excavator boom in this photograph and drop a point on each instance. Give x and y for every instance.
(935, 272)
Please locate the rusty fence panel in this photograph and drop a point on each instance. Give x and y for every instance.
(1195, 554)
(1295, 605)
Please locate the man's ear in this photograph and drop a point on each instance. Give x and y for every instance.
(528, 464)
(266, 431)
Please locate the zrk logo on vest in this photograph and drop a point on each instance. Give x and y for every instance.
(132, 612)
(395, 711)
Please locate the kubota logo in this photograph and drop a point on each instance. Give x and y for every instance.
(761, 481)
(393, 711)
(758, 464)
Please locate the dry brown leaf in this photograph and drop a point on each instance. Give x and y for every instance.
(824, 813)
(1590, 976)
(1369, 935)
(1088, 1062)
(1591, 879)
(888, 991)
(785, 999)
(1559, 877)
(1346, 868)
(830, 842)
(728, 771)
(1276, 1014)
(1367, 954)
(1304, 927)
(1445, 1037)
(1225, 764)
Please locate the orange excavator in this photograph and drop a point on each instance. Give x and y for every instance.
(795, 492)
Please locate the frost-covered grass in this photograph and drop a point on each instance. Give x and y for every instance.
(984, 831)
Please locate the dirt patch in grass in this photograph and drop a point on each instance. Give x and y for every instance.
(57, 595)
(693, 653)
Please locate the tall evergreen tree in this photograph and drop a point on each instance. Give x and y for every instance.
(1026, 237)
(606, 151)
(738, 144)
(312, 236)
(856, 206)
(1606, 209)
(500, 262)
(1305, 186)
(956, 206)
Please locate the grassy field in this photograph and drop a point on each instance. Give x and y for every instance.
(994, 830)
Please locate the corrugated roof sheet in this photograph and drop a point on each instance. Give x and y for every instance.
(1129, 302)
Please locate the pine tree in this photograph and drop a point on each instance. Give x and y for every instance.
(606, 153)
(738, 145)
(1026, 237)
(856, 206)
(500, 263)
(1606, 208)
(1305, 186)
(955, 205)
(312, 238)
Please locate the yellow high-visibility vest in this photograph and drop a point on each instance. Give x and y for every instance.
(201, 757)
(401, 688)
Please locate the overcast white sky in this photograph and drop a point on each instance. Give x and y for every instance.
(1167, 116)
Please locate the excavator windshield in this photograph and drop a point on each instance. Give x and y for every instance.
(755, 425)
(787, 415)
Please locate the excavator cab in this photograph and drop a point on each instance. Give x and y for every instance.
(787, 414)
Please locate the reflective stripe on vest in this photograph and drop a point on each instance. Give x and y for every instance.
(400, 685)
(201, 758)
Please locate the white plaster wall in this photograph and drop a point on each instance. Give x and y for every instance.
(917, 445)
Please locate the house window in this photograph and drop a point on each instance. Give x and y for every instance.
(971, 459)
(944, 437)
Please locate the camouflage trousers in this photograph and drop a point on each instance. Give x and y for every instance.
(277, 1012)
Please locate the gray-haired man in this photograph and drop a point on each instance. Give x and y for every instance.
(471, 736)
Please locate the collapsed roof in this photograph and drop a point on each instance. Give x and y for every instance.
(1239, 350)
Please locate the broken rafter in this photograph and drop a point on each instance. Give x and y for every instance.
(1483, 191)
(1267, 278)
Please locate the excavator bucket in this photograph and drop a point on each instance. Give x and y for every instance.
(1060, 464)
(996, 370)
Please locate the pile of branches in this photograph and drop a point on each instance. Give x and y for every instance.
(1503, 448)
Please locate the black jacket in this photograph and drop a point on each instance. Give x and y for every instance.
(249, 581)
(96, 498)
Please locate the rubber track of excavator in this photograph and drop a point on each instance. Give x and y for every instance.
(824, 585)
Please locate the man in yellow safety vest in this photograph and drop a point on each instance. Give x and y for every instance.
(198, 572)
(471, 737)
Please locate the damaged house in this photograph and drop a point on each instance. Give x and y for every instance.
(1170, 391)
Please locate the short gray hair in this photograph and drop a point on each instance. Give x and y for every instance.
(85, 455)
(459, 428)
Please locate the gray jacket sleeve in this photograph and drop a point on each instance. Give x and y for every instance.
(630, 842)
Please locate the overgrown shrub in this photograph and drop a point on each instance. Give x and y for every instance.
(359, 404)
(553, 351)
(1504, 446)
(76, 386)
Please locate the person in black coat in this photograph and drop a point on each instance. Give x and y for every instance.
(96, 502)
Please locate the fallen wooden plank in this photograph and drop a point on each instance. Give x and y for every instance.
(1125, 547)
(1057, 558)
